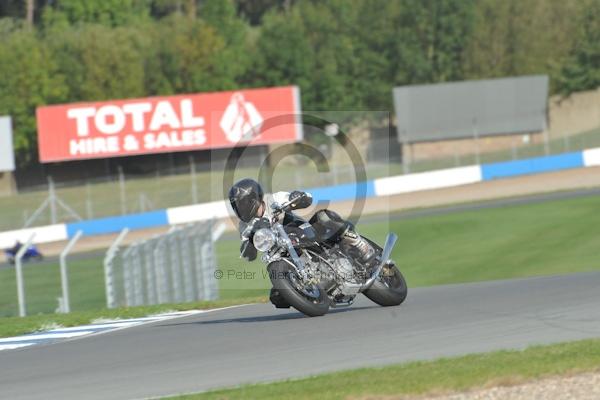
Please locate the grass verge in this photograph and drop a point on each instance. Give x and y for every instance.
(433, 377)
(13, 326)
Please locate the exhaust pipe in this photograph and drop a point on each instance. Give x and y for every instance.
(390, 241)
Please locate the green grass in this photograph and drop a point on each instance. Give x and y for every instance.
(556, 237)
(434, 377)
(12, 326)
(510, 242)
(42, 287)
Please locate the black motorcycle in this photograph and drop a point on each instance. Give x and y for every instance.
(312, 274)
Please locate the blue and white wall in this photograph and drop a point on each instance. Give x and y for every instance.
(378, 187)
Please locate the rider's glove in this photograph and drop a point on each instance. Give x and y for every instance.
(247, 250)
(300, 199)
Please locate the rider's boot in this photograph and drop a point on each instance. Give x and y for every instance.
(357, 246)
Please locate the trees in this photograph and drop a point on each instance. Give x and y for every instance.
(513, 37)
(282, 54)
(343, 54)
(29, 77)
(184, 56)
(432, 40)
(100, 63)
(581, 70)
(109, 13)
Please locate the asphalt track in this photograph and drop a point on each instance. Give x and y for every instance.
(257, 343)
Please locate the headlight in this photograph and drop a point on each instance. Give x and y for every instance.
(264, 239)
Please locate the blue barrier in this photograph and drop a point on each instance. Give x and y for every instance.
(116, 224)
(347, 191)
(532, 166)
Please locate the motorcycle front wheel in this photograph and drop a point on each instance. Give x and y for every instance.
(310, 300)
(390, 289)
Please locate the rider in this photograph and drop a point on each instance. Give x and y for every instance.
(15, 249)
(247, 201)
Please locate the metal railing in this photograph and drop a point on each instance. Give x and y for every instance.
(175, 267)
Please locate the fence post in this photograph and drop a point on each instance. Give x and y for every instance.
(162, 282)
(175, 260)
(198, 261)
(52, 197)
(19, 268)
(208, 267)
(193, 178)
(122, 191)
(138, 284)
(88, 201)
(546, 138)
(108, 269)
(194, 260)
(149, 269)
(127, 273)
(188, 281)
(476, 138)
(64, 278)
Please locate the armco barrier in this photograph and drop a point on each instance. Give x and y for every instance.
(378, 187)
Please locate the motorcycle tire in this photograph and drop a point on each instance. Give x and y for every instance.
(389, 290)
(314, 304)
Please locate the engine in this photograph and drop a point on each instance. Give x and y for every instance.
(343, 269)
(335, 272)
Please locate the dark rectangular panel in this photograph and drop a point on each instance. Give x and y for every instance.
(459, 110)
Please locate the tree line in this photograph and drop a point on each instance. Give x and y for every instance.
(343, 54)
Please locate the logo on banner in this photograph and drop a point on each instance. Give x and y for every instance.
(241, 121)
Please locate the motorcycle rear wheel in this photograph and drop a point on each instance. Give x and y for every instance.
(312, 301)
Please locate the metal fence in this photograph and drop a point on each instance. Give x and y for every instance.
(175, 267)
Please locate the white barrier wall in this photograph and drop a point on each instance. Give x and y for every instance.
(197, 212)
(43, 234)
(591, 157)
(427, 180)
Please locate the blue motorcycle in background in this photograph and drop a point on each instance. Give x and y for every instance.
(31, 254)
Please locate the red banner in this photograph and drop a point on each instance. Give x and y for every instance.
(167, 124)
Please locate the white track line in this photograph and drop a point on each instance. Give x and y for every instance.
(14, 346)
(94, 329)
(42, 336)
(96, 326)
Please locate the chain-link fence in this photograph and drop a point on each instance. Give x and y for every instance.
(175, 267)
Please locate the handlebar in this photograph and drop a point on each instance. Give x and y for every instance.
(277, 208)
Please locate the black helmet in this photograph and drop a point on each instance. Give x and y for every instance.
(246, 196)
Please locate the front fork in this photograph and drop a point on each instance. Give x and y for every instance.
(298, 264)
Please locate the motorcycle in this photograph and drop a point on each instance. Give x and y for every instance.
(32, 253)
(313, 274)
